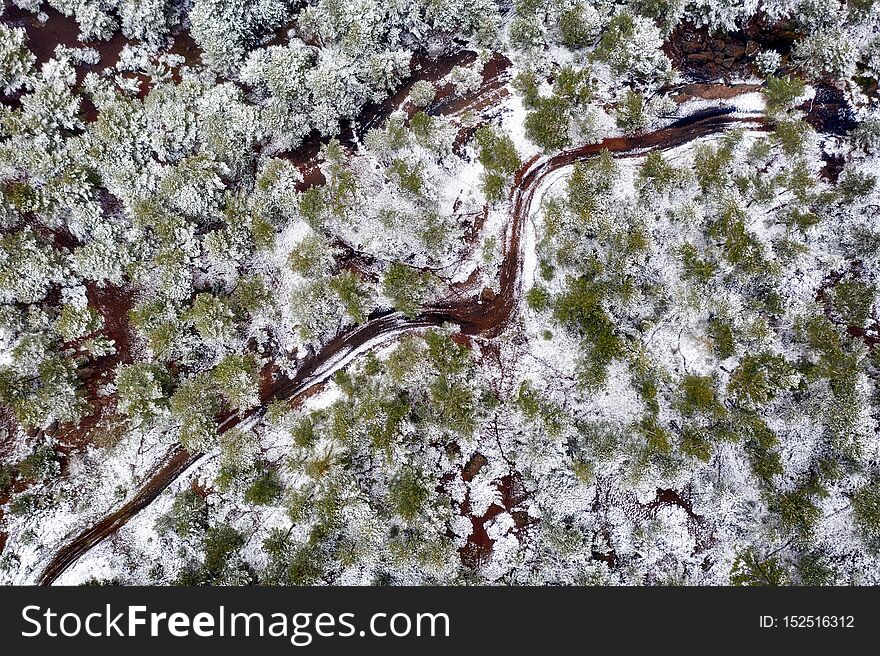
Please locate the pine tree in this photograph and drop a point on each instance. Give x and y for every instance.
(195, 405)
(497, 154)
(16, 61)
(422, 93)
(866, 509)
(548, 124)
(142, 391)
(351, 293)
(407, 493)
(212, 318)
(406, 287)
(579, 25)
(237, 379)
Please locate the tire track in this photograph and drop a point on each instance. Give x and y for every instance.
(474, 316)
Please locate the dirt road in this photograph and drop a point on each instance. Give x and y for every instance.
(473, 315)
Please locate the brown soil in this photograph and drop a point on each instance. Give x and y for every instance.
(42, 39)
(113, 304)
(669, 497)
(479, 545)
(61, 30)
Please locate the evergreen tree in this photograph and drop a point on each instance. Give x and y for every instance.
(406, 287)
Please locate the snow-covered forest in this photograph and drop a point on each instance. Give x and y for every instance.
(413, 292)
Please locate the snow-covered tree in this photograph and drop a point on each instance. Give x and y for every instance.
(16, 61)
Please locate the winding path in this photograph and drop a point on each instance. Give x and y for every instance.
(473, 316)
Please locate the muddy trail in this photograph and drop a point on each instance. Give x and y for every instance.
(474, 316)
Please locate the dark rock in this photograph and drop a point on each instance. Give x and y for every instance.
(829, 111)
(701, 57)
(691, 44)
(734, 50)
(712, 71)
(833, 166)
